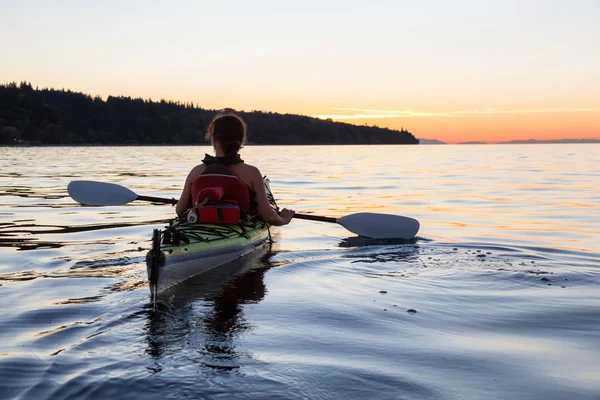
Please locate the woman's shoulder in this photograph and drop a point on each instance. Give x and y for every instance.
(250, 171)
(196, 171)
(250, 167)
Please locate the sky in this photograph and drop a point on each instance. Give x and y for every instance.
(456, 71)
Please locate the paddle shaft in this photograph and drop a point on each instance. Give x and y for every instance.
(157, 199)
(352, 227)
(315, 218)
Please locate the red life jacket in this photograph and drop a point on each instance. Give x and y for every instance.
(215, 189)
(219, 196)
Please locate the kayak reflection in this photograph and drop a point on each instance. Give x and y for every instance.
(360, 241)
(202, 317)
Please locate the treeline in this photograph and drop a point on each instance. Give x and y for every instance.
(49, 116)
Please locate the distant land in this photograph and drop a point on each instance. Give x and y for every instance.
(31, 116)
(535, 141)
(430, 141)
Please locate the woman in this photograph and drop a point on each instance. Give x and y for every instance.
(228, 133)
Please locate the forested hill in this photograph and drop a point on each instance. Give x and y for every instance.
(49, 116)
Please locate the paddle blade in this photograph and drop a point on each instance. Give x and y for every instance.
(93, 193)
(380, 226)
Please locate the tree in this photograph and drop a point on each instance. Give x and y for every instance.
(9, 135)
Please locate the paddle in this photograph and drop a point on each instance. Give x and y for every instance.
(92, 193)
(371, 225)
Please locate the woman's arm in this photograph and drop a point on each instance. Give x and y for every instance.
(264, 207)
(186, 194)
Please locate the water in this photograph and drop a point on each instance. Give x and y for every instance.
(498, 298)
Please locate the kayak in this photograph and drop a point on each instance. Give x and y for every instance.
(183, 250)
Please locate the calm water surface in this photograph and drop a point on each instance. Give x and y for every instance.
(504, 278)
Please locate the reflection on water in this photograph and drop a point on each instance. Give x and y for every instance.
(222, 293)
(497, 298)
(359, 241)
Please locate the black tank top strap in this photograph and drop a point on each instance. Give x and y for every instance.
(253, 201)
(220, 165)
(230, 160)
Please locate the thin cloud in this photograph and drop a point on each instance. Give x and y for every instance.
(361, 113)
(527, 111)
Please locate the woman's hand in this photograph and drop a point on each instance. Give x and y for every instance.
(286, 215)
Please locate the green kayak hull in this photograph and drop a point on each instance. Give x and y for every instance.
(209, 246)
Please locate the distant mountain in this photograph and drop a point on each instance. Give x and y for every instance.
(535, 141)
(430, 141)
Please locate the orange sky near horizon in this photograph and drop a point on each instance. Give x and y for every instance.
(489, 125)
(495, 128)
(466, 125)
